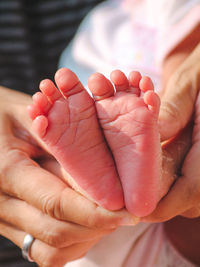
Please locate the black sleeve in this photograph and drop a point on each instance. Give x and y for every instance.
(33, 33)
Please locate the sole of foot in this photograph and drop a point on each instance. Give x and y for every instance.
(66, 122)
(128, 115)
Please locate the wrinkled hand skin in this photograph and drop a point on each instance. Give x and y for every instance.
(32, 190)
(180, 152)
(180, 209)
(180, 124)
(181, 84)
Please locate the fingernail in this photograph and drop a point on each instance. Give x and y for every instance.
(130, 220)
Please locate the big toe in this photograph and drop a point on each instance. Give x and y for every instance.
(68, 82)
(100, 86)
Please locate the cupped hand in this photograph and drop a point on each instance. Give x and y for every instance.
(183, 197)
(35, 199)
(180, 179)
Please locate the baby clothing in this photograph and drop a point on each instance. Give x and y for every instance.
(143, 245)
(131, 35)
(173, 20)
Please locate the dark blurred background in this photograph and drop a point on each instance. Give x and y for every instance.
(33, 34)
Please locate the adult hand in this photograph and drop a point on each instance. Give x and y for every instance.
(183, 197)
(181, 155)
(179, 96)
(34, 200)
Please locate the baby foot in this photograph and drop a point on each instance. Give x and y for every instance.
(66, 122)
(129, 122)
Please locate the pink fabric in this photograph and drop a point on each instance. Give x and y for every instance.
(178, 32)
(143, 245)
(148, 245)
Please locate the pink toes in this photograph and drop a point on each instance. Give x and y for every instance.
(39, 125)
(134, 81)
(33, 111)
(122, 83)
(120, 80)
(68, 82)
(135, 85)
(40, 106)
(57, 116)
(50, 105)
(153, 101)
(146, 84)
(49, 89)
(100, 86)
(44, 100)
(37, 112)
(41, 102)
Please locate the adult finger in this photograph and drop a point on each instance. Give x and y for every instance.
(178, 200)
(43, 254)
(175, 200)
(22, 178)
(178, 99)
(53, 232)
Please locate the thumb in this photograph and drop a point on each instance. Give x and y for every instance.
(177, 102)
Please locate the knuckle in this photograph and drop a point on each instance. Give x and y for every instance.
(56, 238)
(103, 219)
(15, 156)
(97, 220)
(52, 206)
(94, 221)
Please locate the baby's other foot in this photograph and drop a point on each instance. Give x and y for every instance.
(129, 121)
(66, 122)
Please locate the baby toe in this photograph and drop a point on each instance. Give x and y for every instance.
(119, 80)
(49, 89)
(100, 86)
